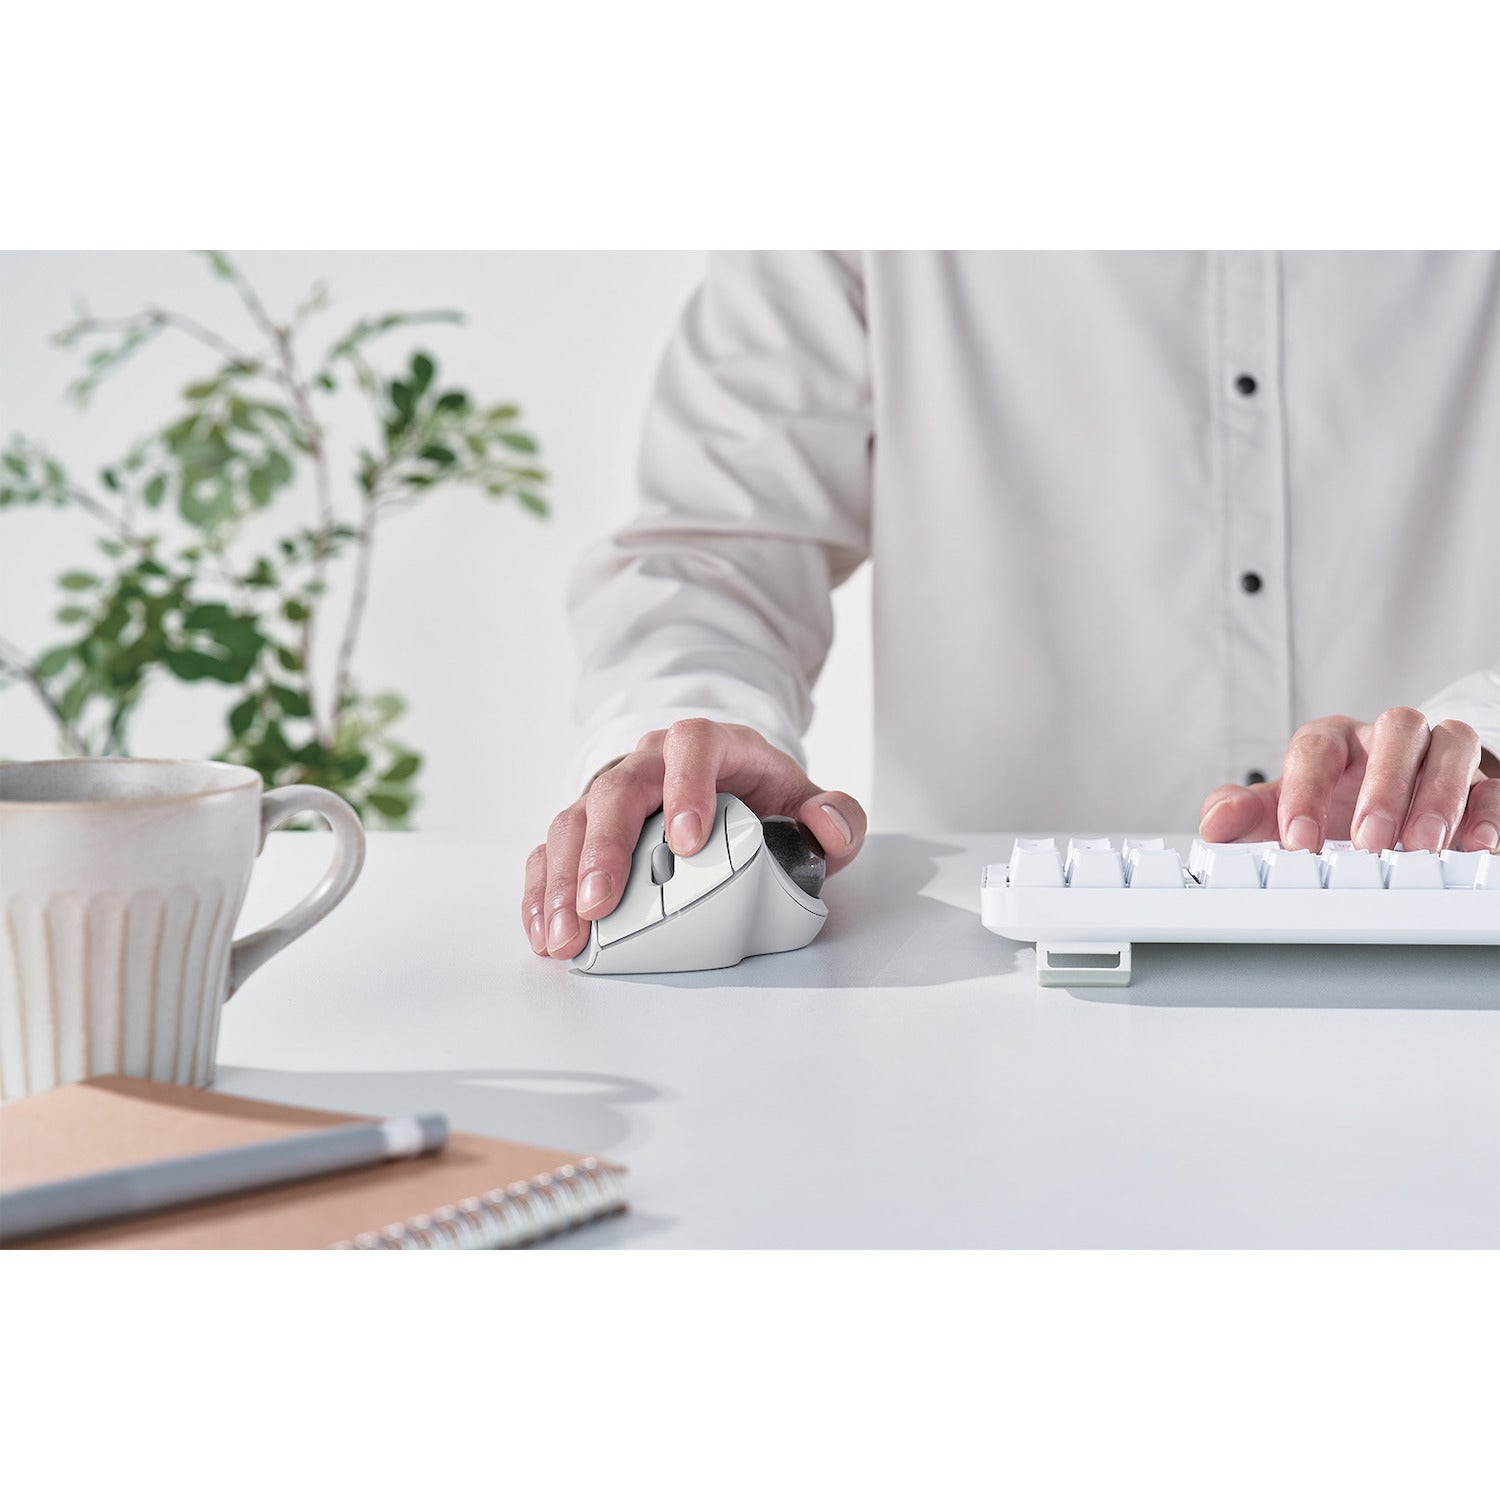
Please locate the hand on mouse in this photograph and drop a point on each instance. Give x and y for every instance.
(1377, 783)
(577, 876)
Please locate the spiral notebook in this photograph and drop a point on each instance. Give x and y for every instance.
(477, 1193)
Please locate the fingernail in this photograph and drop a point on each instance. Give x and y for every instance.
(685, 830)
(594, 890)
(1376, 832)
(563, 930)
(538, 933)
(1488, 836)
(1428, 832)
(839, 822)
(1303, 834)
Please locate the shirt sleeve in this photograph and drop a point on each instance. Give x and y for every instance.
(754, 480)
(1474, 700)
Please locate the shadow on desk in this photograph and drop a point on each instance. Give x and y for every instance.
(881, 932)
(583, 1112)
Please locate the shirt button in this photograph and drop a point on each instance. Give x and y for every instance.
(1254, 778)
(1245, 385)
(1250, 582)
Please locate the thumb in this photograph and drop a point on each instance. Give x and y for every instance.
(838, 823)
(1240, 814)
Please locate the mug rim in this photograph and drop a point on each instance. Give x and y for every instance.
(256, 781)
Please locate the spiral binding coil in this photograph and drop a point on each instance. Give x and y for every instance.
(508, 1217)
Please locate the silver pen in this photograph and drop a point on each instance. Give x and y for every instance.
(46, 1207)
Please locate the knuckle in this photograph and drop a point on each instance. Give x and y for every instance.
(1465, 735)
(1315, 743)
(568, 822)
(1402, 721)
(610, 786)
(689, 732)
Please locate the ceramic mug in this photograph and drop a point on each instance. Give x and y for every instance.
(120, 884)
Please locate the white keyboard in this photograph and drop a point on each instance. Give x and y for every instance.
(1083, 901)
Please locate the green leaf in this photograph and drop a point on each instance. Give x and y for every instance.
(518, 441)
(292, 703)
(503, 413)
(260, 486)
(392, 804)
(220, 262)
(402, 399)
(403, 768)
(155, 491)
(71, 614)
(71, 703)
(17, 465)
(388, 707)
(422, 370)
(107, 477)
(53, 661)
(110, 548)
(453, 401)
(534, 503)
(436, 453)
(200, 390)
(326, 382)
(77, 582)
(290, 660)
(191, 666)
(206, 617)
(280, 468)
(242, 715)
(295, 611)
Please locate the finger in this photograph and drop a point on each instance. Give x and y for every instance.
(1231, 814)
(1397, 748)
(838, 823)
(566, 935)
(1315, 760)
(1442, 787)
(691, 752)
(532, 898)
(618, 802)
(1480, 828)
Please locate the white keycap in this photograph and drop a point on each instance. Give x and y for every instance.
(1095, 868)
(1469, 870)
(1159, 868)
(1412, 870)
(1292, 870)
(1036, 862)
(1227, 866)
(1346, 868)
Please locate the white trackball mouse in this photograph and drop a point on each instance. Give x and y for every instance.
(752, 888)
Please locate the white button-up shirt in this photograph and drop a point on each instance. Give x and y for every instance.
(1133, 518)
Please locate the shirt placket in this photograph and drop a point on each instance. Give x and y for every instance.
(1252, 478)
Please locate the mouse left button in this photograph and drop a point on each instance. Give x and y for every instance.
(640, 904)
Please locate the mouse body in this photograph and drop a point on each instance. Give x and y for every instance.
(752, 888)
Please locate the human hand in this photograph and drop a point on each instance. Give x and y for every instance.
(1396, 779)
(579, 874)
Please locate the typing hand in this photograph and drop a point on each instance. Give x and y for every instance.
(578, 875)
(1377, 784)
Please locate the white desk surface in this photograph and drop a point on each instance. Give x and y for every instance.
(903, 1081)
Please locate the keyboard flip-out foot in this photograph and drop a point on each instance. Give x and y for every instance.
(1082, 963)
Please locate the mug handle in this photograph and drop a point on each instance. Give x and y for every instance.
(249, 953)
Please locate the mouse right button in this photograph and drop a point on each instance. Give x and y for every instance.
(742, 832)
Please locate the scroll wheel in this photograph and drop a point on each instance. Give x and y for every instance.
(662, 865)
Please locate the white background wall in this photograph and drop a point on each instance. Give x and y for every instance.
(466, 618)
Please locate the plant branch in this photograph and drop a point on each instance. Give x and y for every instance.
(156, 316)
(13, 660)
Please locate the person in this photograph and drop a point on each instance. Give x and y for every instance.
(1140, 525)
